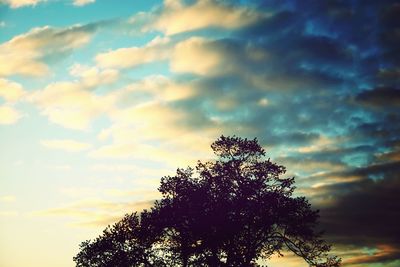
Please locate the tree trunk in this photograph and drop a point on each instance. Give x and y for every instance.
(184, 262)
(214, 258)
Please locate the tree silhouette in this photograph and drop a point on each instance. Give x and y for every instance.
(233, 211)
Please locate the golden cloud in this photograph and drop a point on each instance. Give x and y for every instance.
(193, 55)
(96, 212)
(25, 53)
(93, 76)
(202, 14)
(67, 104)
(149, 130)
(156, 50)
(371, 255)
(73, 104)
(161, 88)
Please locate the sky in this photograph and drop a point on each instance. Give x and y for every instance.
(99, 99)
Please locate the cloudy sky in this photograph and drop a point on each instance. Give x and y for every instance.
(100, 98)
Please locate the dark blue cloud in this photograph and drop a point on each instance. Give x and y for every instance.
(366, 212)
(331, 70)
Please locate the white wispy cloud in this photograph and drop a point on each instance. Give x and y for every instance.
(25, 53)
(25, 3)
(66, 145)
(148, 130)
(82, 2)
(95, 212)
(11, 91)
(67, 104)
(72, 104)
(21, 3)
(9, 115)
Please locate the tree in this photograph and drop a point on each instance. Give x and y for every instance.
(232, 211)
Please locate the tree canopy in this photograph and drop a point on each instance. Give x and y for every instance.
(232, 211)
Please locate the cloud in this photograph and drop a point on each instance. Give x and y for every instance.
(9, 115)
(27, 53)
(193, 55)
(11, 91)
(89, 194)
(262, 65)
(156, 50)
(175, 15)
(303, 58)
(114, 168)
(7, 198)
(373, 199)
(388, 37)
(318, 144)
(145, 122)
(93, 76)
(66, 145)
(144, 194)
(147, 106)
(380, 98)
(21, 3)
(210, 57)
(74, 104)
(252, 62)
(382, 253)
(393, 155)
(9, 213)
(149, 130)
(157, 88)
(309, 167)
(59, 167)
(82, 2)
(118, 151)
(67, 104)
(24, 3)
(359, 210)
(287, 259)
(96, 212)
(186, 150)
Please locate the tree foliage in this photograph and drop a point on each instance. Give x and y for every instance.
(233, 211)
